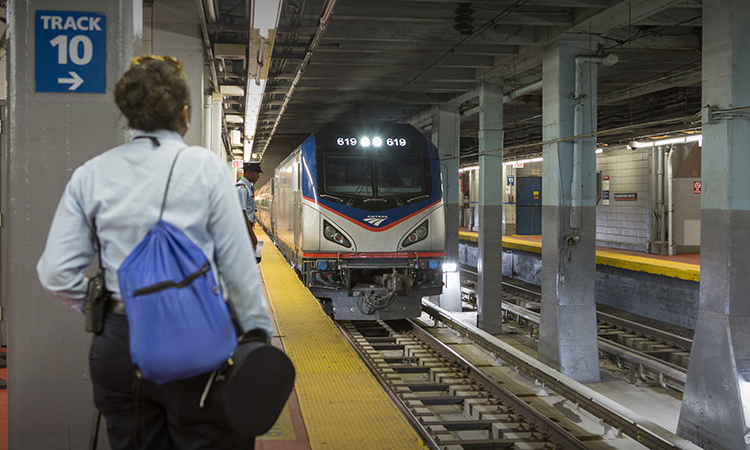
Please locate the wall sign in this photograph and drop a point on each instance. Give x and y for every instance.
(71, 51)
(237, 163)
(511, 180)
(628, 196)
(697, 187)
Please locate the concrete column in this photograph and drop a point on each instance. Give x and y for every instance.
(176, 32)
(567, 334)
(50, 134)
(715, 410)
(490, 261)
(446, 125)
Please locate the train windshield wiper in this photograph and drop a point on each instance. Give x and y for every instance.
(417, 198)
(388, 186)
(332, 197)
(359, 190)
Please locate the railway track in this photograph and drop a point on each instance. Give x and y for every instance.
(651, 355)
(496, 397)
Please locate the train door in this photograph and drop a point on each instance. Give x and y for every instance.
(272, 207)
(529, 206)
(297, 192)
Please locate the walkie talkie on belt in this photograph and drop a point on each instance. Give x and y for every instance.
(97, 296)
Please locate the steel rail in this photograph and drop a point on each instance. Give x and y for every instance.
(403, 409)
(634, 425)
(544, 424)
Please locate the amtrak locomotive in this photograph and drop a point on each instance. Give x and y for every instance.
(358, 211)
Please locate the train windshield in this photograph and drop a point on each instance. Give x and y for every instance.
(375, 181)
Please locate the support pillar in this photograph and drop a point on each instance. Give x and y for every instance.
(567, 332)
(490, 261)
(176, 32)
(446, 126)
(50, 404)
(715, 411)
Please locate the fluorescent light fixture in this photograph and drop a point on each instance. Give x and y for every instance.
(233, 91)
(536, 159)
(449, 267)
(468, 169)
(236, 137)
(523, 161)
(266, 16)
(377, 142)
(233, 118)
(679, 140)
(693, 138)
(365, 141)
(643, 144)
(599, 150)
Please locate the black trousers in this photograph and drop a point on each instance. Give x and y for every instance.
(168, 417)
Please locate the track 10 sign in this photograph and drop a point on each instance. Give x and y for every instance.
(71, 51)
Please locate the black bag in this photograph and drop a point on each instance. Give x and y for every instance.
(250, 391)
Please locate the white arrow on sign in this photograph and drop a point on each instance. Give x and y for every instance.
(75, 81)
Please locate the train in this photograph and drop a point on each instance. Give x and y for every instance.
(357, 210)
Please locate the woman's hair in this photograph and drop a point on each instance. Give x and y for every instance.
(151, 94)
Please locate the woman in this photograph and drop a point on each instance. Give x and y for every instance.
(116, 197)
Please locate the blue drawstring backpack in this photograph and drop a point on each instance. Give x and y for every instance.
(179, 322)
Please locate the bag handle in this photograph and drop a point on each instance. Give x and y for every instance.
(169, 178)
(171, 169)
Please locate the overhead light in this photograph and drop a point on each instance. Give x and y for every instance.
(536, 159)
(231, 90)
(236, 137)
(449, 267)
(599, 150)
(266, 16)
(233, 118)
(679, 140)
(468, 169)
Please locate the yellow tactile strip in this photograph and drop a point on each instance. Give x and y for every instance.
(342, 404)
(670, 269)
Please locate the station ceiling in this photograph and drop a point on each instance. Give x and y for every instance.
(392, 60)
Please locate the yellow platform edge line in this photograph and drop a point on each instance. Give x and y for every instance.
(671, 269)
(342, 404)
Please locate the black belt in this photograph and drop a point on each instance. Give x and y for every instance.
(116, 307)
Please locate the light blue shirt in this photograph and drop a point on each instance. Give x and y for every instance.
(246, 195)
(123, 190)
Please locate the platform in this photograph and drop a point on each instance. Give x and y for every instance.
(337, 403)
(685, 267)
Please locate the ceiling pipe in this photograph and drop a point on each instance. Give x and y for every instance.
(512, 95)
(210, 60)
(325, 18)
(211, 9)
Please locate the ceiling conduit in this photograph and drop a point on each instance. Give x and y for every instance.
(325, 18)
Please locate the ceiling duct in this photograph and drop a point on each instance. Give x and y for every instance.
(464, 19)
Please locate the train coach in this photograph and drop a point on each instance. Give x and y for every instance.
(358, 211)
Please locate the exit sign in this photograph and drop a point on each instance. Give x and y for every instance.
(237, 163)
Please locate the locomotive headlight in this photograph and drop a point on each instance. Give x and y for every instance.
(365, 141)
(377, 142)
(322, 264)
(417, 235)
(334, 235)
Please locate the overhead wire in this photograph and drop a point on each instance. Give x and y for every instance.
(465, 41)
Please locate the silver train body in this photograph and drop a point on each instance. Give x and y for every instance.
(358, 211)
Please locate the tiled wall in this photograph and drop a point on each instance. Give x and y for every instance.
(625, 224)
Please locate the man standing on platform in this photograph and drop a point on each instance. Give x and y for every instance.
(246, 192)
